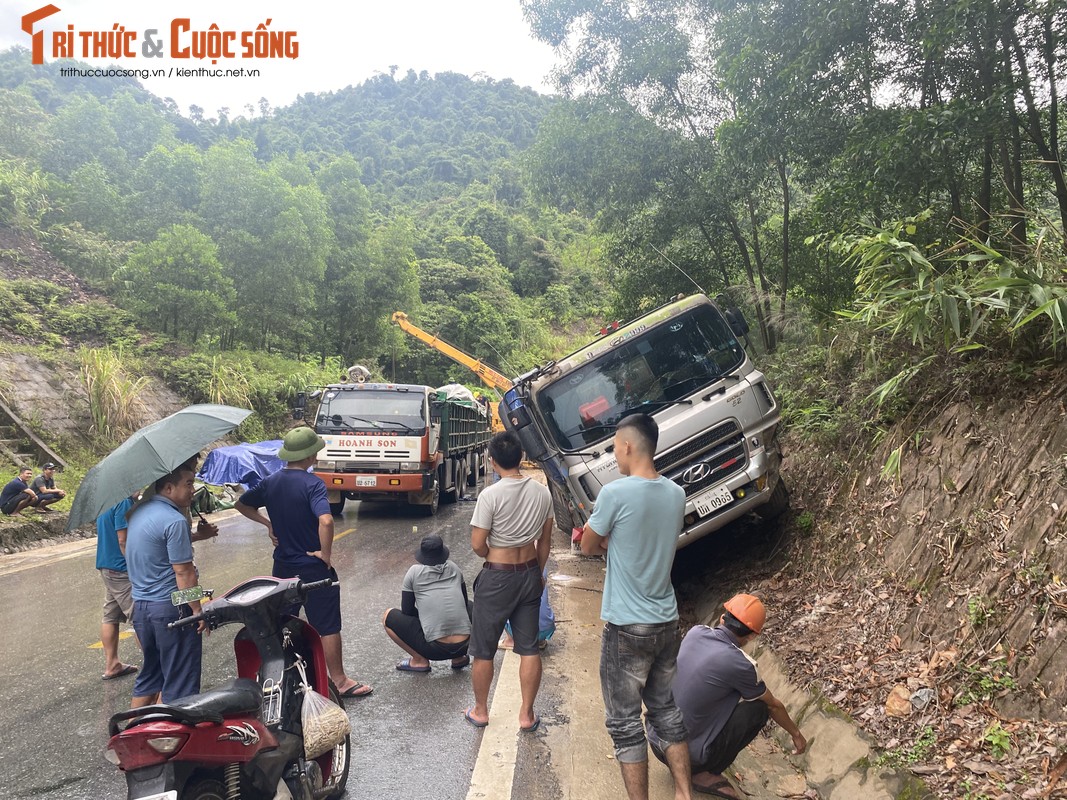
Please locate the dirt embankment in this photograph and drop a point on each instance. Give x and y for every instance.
(931, 604)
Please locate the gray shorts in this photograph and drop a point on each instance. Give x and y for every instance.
(118, 597)
(500, 597)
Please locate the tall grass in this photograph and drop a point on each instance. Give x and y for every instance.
(114, 396)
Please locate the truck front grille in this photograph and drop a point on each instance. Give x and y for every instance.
(726, 460)
(680, 455)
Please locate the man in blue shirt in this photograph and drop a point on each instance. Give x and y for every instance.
(300, 526)
(159, 557)
(640, 517)
(118, 593)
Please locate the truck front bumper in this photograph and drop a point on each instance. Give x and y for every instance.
(356, 484)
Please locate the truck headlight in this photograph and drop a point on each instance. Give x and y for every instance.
(326, 466)
(410, 466)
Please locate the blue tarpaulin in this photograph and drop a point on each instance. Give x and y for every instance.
(243, 463)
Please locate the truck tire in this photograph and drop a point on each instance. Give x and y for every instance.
(448, 469)
(462, 473)
(435, 500)
(561, 509)
(777, 505)
(338, 508)
(477, 462)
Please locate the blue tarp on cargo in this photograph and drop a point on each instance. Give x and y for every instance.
(243, 463)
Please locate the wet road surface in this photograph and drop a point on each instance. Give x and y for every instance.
(409, 737)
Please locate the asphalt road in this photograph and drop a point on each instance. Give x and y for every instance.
(409, 737)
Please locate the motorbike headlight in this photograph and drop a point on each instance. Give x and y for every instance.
(165, 745)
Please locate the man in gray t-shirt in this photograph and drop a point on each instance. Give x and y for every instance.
(511, 529)
(432, 623)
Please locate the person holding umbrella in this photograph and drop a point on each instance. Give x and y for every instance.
(300, 525)
(159, 560)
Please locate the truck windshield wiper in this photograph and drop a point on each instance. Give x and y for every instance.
(607, 426)
(338, 420)
(649, 405)
(406, 427)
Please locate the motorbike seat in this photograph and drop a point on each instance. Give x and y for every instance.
(239, 696)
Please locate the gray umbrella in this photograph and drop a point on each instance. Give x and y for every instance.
(149, 454)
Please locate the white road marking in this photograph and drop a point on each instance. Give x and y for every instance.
(494, 769)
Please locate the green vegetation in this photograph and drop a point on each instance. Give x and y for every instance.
(997, 740)
(915, 753)
(983, 684)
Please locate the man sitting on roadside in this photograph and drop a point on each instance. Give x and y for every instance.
(44, 486)
(722, 699)
(17, 494)
(432, 623)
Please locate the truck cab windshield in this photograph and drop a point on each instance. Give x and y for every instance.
(647, 372)
(362, 411)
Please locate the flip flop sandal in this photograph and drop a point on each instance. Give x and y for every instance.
(357, 690)
(464, 663)
(405, 666)
(127, 669)
(534, 727)
(472, 721)
(713, 790)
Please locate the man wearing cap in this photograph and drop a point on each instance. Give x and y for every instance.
(300, 526)
(635, 525)
(723, 700)
(44, 486)
(432, 623)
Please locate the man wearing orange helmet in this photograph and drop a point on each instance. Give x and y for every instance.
(722, 698)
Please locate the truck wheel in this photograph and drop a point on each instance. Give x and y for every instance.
(462, 479)
(561, 509)
(337, 508)
(435, 500)
(477, 468)
(777, 505)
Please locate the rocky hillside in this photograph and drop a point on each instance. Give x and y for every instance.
(929, 605)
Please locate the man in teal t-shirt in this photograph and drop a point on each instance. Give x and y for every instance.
(640, 517)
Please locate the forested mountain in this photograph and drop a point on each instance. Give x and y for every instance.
(300, 230)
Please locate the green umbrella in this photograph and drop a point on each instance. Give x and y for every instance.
(149, 454)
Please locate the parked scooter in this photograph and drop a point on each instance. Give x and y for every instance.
(243, 740)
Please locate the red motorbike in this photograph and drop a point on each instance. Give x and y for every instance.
(243, 740)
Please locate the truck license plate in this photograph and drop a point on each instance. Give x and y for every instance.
(713, 498)
(172, 795)
(368, 481)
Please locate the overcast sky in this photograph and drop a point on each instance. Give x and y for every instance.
(339, 44)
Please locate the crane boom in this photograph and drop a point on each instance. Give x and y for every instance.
(490, 377)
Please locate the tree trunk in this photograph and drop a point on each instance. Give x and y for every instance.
(766, 332)
(784, 288)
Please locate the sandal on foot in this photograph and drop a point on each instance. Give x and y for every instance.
(405, 666)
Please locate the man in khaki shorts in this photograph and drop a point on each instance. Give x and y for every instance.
(118, 597)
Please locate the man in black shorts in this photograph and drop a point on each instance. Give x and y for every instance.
(301, 528)
(512, 530)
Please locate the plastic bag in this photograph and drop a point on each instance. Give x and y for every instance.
(325, 724)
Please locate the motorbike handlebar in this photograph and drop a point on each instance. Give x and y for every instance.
(303, 588)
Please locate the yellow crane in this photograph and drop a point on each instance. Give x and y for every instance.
(489, 376)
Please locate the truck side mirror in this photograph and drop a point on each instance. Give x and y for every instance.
(301, 404)
(737, 321)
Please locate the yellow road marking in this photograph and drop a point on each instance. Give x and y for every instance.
(100, 645)
(337, 536)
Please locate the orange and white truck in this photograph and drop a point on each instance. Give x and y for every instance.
(398, 442)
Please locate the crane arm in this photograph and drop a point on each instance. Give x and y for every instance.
(488, 375)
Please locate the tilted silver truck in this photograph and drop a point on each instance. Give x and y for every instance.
(684, 365)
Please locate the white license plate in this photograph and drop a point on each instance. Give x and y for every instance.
(171, 795)
(370, 481)
(713, 498)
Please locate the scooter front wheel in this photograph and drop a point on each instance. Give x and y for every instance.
(338, 760)
(205, 790)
